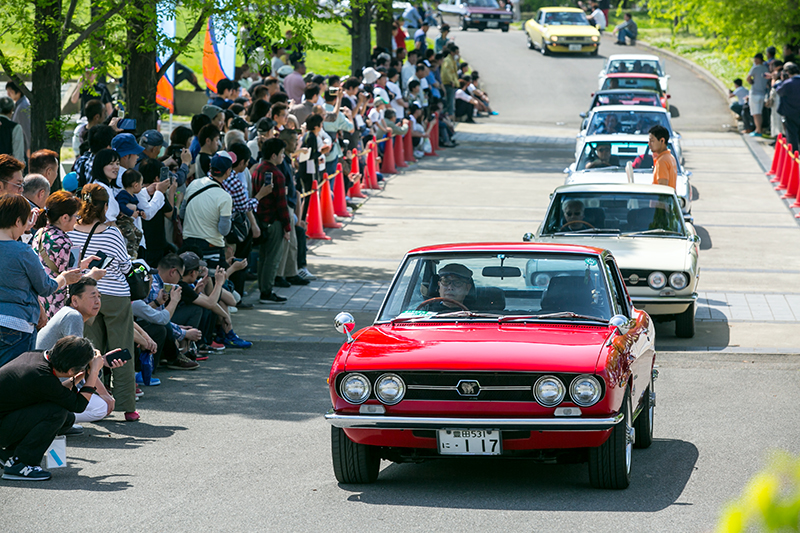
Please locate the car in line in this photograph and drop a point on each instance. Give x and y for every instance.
(496, 349)
(631, 120)
(479, 14)
(561, 29)
(638, 97)
(649, 82)
(656, 248)
(634, 63)
(624, 159)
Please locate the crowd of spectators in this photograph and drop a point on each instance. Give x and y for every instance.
(772, 104)
(138, 257)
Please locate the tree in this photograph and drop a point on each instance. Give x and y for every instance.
(383, 24)
(360, 35)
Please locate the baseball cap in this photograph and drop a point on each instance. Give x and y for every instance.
(70, 182)
(455, 269)
(191, 261)
(211, 111)
(285, 71)
(125, 144)
(239, 124)
(221, 162)
(153, 138)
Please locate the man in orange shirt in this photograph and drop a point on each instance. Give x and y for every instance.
(665, 168)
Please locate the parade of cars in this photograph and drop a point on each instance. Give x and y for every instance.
(561, 29)
(478, 14)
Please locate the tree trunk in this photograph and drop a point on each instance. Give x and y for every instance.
(46, 77)
(361, 39)
(141, 80)
(383, 24)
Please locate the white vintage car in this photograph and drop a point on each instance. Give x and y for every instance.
(656, 247)
(627, 120)
(634, 63)
(623, 159)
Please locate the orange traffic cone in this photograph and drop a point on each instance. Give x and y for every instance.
(313, 218)
(399, 155)
(372, 165)
(774, 168)
(326, 204)
(409, 146)
(355, 190)
(432, 135)
(387, 165)
(791, 182)
(339, 201)
(780, 146)
(435, 140)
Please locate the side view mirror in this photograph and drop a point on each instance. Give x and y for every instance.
(688, 218)
(345, 323)
(582, 115)
(696, 239)
(622, 323)
(689, 174)
(591, 94)
(528, 237)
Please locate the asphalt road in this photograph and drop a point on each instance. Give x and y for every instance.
(241, 444)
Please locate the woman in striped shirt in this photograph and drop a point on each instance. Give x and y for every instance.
(113, 327)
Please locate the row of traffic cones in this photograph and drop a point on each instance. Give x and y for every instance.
(397, 152)
(785, 170)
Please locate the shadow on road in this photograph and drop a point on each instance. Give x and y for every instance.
(705, 238)
(714, 334)
(660, 474)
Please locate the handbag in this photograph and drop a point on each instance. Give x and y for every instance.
(137, 277)
(240, 224)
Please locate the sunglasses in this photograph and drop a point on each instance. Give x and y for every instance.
(456, 283)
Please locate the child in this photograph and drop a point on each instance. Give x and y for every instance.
(129, 210)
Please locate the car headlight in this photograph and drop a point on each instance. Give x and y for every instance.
(657, 280)
(682, 200)
(554, 38)
(549, 391)
(595, 38)
(678, 280)
(355, 388)
(585, 390)
(390, 389)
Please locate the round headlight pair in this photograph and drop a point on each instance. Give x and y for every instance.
(657, 280)
(585, 391)
(678, 280)
(389, 388)
(549, 391)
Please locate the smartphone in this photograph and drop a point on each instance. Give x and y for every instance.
(267, 179)
(163, 174)
(101, 263)
(74, 257)
(333, 90)
(168, 288)
(122, 354)
(127, 124)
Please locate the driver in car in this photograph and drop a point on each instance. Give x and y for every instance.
(604, 157)
(609, 125)
(573, 215)
(455, 284)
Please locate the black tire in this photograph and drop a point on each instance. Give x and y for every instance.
(505, 29)
(352, 462)
(543, 49)
(610, 463)
(594, 53)
(481, 28)
(464, 26)
(684, 323)
(644, 422)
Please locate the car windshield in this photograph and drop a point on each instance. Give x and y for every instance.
(480, 3)
(632, 122)
(625, 213)
(499, 286)
(566, 19)
(627, 98)
(640, 66)
(631, 83)
(614, 155)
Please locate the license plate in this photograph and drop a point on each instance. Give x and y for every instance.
(470, 442)
(575, 47)
(492, 24)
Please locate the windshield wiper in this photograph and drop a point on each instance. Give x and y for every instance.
(563, 314)
(610, 167)
(653, 231)
(588, 230)
(453, 314)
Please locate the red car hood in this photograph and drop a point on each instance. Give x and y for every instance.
(478, 347)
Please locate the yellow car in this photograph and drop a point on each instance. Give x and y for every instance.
(562, 29)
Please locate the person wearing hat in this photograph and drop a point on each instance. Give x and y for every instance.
(207, 209)
(128, 149)
(455, 284)
(216, 114)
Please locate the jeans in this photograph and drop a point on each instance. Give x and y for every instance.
(330, 168)
(450, 100)
(14, 343)
(28, 432)
(736, 107)
(625, 32)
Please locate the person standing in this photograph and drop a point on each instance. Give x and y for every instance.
(22, 112)
(665, 168)
(12, 138)
(294, 83)
(789, 105)
(759, 85)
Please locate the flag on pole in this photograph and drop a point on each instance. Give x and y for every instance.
(165, 90)
(219, 56)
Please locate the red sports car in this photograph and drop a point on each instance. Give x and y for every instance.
(517, 349)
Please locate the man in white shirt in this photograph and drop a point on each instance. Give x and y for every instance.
(398, 103)
(597, 17)
(740, 93)
(409, 68)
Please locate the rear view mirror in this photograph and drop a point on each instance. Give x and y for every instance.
(502, 272)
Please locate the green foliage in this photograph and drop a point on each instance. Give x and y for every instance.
(57, 126)
(769, 502)
(529, 6)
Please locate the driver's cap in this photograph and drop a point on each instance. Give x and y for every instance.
(455, 269)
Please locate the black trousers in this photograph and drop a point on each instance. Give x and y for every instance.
(792, 132)
(27, 433)
(197, 317)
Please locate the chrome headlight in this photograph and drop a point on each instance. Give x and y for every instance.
(355, 388)
(657, 280)
(585, 390)
(390, 389)
(554, 38)
(549, 391)
(678, 280)
(595, 38)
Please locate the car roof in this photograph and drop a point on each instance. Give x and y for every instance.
(557, 9)
(617, 137)
(632, 75)
(634, 108)
(625, 57)
(624, 90)
(509, 247)
(616, 188)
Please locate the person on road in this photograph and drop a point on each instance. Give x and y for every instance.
(759, 85)
(665, 168)
(789, 107)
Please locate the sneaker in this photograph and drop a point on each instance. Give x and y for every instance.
(297, 280)
(280, 281)
(242, 305)
(305, 274)
(154, 382)
(232, 309)
(183, 363)
(494, 113)
(76, 429)
(755, 134)
(234, 341)
(132, 416)
(271, 298)
(139, 393)
(216, 346)
(201, 349)
(23, 472)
